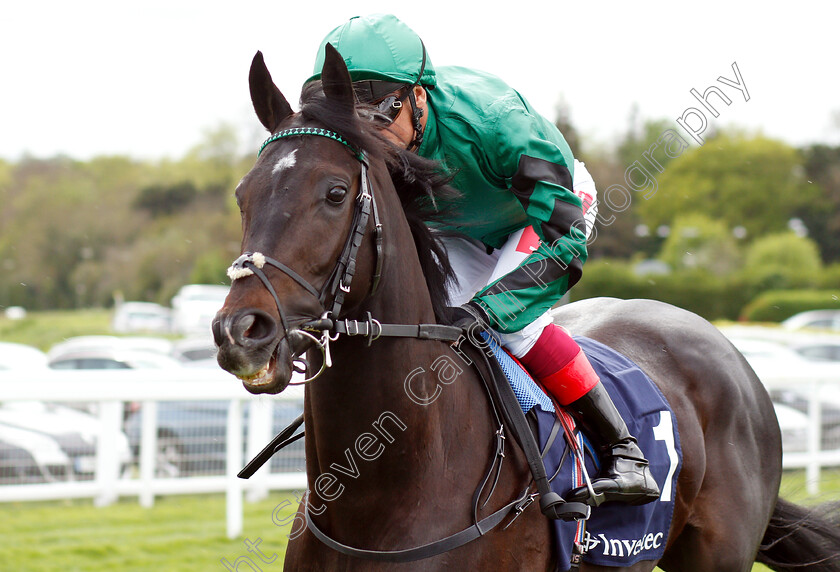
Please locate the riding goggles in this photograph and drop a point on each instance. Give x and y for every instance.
(386, 97)
(391, 105)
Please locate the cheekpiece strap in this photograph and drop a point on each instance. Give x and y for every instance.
(300, 131)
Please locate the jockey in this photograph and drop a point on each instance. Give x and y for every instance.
(520, 230)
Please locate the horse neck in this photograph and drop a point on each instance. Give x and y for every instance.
(364, 393)
(402, 297)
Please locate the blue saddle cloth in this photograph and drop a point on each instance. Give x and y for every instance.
(616, 534)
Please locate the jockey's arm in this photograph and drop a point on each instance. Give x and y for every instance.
(542, 166)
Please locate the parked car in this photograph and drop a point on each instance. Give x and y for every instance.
(75, 432)
(132, 317)
(194, 349)
(29, 456)
(818, 349)
(161, 346)
(192, 436)
(829, 413)
(814, 319)
(761, 352)
(21, 357)
(111, 359)
(102, 354)
(766, 356)
(15, 313)
(771, 357)
(794, 426)
(194, 307)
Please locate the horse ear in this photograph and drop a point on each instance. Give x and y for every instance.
(269, 103)
(338, 87)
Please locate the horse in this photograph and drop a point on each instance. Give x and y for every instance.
(334, 221)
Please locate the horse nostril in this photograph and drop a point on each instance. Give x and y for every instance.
(216, 328)
(255, 328)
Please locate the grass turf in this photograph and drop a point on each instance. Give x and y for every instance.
(179, 534)
(44, 329)
(184, 533)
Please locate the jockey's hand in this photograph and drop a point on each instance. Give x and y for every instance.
(468, 313)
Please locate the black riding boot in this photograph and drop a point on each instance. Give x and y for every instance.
(625, 473)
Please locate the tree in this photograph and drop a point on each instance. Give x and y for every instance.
(783, 260)
(822, 216)
(72, 233)
(753, 182)
(161, 200)
(640, 144)
(697, 241)
(616, 235)
(563, 113)
(61, 213)
(215, 161)
(646, 147)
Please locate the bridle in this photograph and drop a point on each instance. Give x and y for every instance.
(337, 285)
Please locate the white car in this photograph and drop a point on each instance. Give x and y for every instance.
(160, 346)
(90, 356)
(196, 348)
(21, 357)
(75, 432)
(814, 319)
(794, 426)
(111, 359)
(195, 306)
(789, 379)
(132, 317)
(774, 360)
(818, 348)
(30, 456)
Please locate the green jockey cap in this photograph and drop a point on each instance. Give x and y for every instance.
(379, 47)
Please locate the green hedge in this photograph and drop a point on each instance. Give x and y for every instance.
(701, 292)
(778, 305)
(737, 296)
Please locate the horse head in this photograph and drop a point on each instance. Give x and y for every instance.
(306, 218)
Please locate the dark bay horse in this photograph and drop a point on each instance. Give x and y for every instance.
(398, 438)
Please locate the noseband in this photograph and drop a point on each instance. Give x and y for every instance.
(337, 285)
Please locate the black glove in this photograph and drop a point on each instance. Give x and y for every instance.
(465, 314)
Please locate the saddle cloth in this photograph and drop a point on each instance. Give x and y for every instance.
(616, 534)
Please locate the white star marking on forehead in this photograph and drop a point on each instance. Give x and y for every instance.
(284, 162)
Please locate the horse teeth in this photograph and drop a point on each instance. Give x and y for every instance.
(254, 377)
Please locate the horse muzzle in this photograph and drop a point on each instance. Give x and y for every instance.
(254, 348)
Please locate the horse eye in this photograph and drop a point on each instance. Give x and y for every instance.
(336, 194)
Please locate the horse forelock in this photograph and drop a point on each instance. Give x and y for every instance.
(421, 184)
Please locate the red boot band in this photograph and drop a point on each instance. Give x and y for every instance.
(558, 363)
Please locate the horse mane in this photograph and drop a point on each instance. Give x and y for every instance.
(422, 186)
